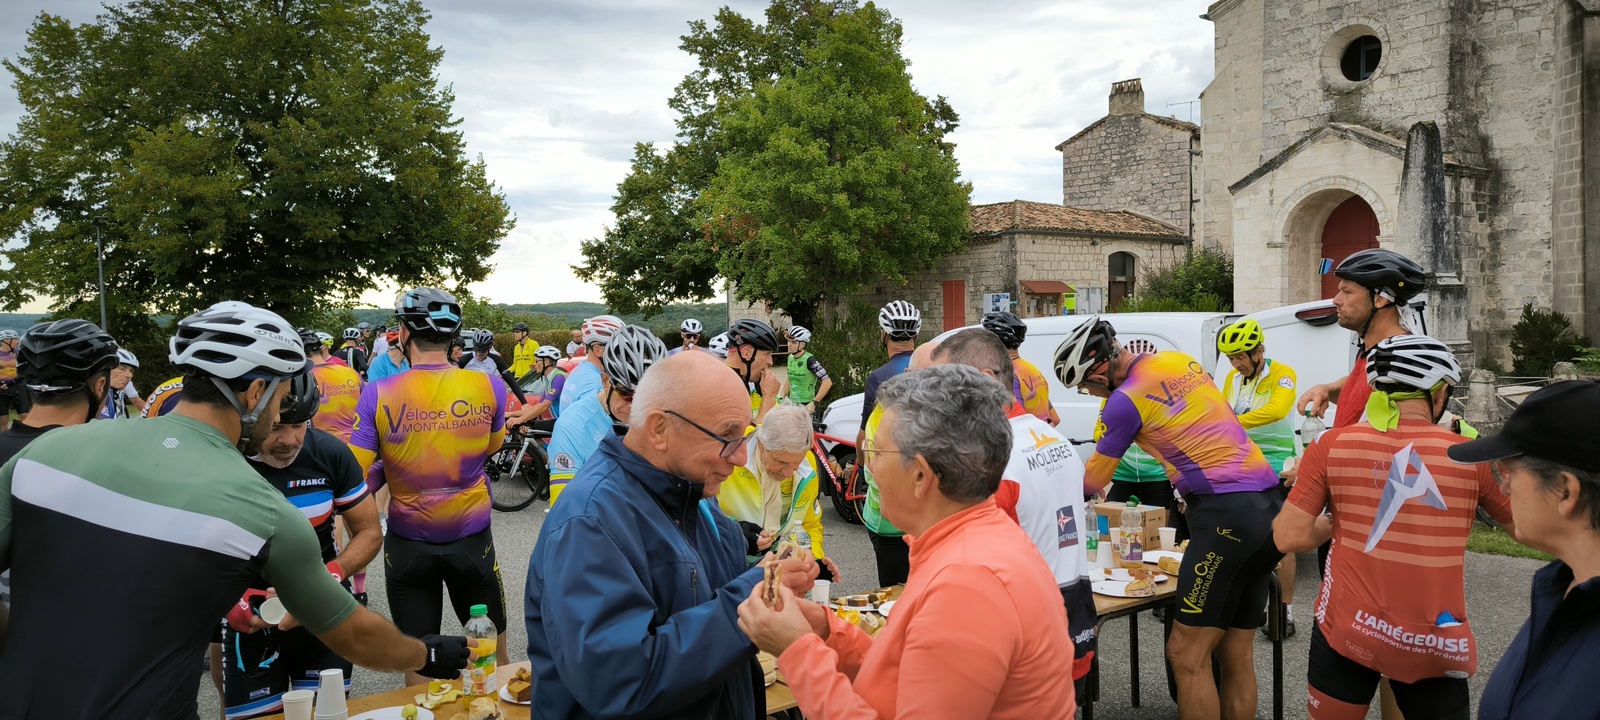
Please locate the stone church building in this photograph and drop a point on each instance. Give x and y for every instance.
(1304, 145)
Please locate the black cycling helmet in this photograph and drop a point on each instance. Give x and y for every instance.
(519, 327)
(309, 339)
(1384, 272)
(754, 333)
(61, 357)
(482, 340)
(1008, 327)
(303, 399)
(429, 310)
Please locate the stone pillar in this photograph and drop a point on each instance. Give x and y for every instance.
(1483, 405)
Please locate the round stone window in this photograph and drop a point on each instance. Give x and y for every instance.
(1352, 57)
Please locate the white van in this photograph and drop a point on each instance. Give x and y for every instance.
(1305, 336)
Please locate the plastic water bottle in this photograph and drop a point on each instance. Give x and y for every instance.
(478, 677)
(1310, 430)
(1130, 548)
(1091, 544)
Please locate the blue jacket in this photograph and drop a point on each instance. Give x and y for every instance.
(632, 600)
(1549, 670)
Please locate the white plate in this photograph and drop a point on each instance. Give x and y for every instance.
(884, 609)
(1111, 588)
(1121, 575)
(1151, 556)
(505, 694)
(392, 713)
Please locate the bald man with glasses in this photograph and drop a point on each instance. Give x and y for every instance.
(634, 586)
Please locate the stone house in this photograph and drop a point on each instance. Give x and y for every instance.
(1040, 254)
(1304, 146)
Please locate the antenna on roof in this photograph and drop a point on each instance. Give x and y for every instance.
(1190, 103)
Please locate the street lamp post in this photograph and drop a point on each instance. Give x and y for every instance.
(100, 254)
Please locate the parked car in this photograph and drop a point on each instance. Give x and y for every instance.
(1304, 336)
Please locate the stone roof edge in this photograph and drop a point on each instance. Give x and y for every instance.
(1218, 8)
(1169, 122)
(1591, 7)
(1354, 133)
(1170, 239)
(1158, 221)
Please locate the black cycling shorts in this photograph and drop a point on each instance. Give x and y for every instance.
(1225, 579)
(416, 570)
(1347, 681)
(1082, 622)
(259, 667)
(12, 399)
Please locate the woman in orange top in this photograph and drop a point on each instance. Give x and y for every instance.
(979, 631)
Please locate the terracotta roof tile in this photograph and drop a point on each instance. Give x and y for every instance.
(1025, 215)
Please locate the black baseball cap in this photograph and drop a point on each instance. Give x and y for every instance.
(1556, 423)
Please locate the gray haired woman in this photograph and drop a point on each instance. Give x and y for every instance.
(774, 494)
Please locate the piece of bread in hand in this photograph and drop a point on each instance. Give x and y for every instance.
(787, 549)
(769, 589)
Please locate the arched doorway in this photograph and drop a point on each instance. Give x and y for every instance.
(1120, 269)
(1350, 228)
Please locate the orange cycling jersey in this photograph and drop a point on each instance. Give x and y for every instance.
(1394, 599)
(341, 389)
(1033, 390)
(163, 399)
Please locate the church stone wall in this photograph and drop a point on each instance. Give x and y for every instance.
(1231, 112)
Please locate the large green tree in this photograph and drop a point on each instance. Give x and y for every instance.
(290, 153)
(806, 165)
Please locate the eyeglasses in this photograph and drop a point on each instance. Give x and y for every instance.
(1500, 469)
(869, 448)
(729, 447)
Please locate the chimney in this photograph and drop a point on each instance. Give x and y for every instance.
(1127, 97)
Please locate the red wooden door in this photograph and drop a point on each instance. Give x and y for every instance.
(955, 304)
(1350, 229)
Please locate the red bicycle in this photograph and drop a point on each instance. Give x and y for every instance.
(844, 482)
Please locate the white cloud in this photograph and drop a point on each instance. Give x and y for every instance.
(554, 93)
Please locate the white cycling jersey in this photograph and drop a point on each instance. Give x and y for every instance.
(1042, 489)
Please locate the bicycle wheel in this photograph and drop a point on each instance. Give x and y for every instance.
(510, 492)
(850, 510)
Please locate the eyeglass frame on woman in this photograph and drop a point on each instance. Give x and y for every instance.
(868, 449)
(1500, 478)
(729, 447)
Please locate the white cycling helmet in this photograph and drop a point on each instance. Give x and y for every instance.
(630, 353)
(1089, 344)
(127, 358)
(1415, 361)
(900, 320)
(352, 334)
(599, 329)
(8, 335)
(799, 334)
(547, 352)
(718, 345)
(324, 337)
(233, 339)
(691, 327)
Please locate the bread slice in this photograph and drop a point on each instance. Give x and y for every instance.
(1140, 588)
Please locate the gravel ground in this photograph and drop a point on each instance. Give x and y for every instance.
(1497, 601)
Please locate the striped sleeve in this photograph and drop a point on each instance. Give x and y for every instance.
(349, 486)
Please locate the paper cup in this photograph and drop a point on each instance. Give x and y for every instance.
(272, 611)
(819, 591)
(1169, 538)
(330, 695)
(297, 704)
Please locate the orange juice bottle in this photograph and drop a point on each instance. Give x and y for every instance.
(478, 677)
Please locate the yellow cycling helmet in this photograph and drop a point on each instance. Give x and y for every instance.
(1240, 337)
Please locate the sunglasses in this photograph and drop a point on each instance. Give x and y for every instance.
(729, 447)
(1501, 469)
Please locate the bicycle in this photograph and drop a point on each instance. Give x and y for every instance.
(844, 483)
(519, 472)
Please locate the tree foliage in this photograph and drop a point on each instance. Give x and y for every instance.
(806, 166)
(1202, 283)
(290, 153)
(1540, 339)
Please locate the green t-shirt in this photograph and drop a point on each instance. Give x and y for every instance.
(162, 524)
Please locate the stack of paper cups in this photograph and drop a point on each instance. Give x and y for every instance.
(330, 696)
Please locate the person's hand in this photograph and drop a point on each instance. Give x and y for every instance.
(242, 616)
(773, 630)
(832, 568)
(1314, 401)
(446, 655)
(764, 540)
(800, 572)
(770, 384)
(818, 615)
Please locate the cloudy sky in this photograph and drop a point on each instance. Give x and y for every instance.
(553, 94)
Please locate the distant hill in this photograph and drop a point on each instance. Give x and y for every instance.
(18, 321)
